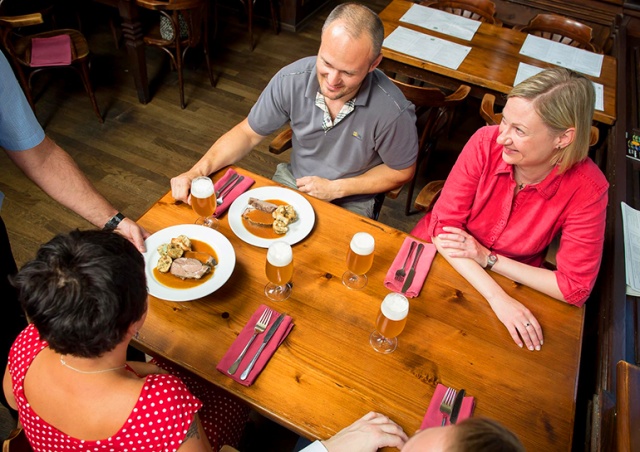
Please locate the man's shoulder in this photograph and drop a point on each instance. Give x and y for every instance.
(302, 66)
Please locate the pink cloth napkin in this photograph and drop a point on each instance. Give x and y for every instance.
(433, 416)
(242, 339)
(53, 51)
(424, 264)
(231, 196)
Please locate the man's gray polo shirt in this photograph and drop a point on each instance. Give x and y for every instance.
(381, 129)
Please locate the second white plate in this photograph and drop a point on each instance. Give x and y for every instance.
(297, 230)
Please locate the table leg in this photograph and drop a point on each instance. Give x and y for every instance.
(132, 32)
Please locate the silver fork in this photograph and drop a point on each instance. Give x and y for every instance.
(261, 325)
(228, 190)
(447, 404)
(400, 273)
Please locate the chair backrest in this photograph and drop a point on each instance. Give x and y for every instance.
(188, 16)
(561, 29)
(492, 118)
(17, 442)
(480, 10)
(627, 407)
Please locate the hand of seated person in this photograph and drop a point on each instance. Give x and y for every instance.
(318, 187)
(519, 320)
(367, 434)
(133, 232)
(180, 186)
(460, 243)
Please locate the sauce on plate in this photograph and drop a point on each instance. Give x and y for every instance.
(263, 231)
(167, 279)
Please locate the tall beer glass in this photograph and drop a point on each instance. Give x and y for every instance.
(203, 201)
(390, 323)
(279, 270)
(359, 260)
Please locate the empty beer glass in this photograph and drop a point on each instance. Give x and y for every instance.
(203, 201)
(279, 269)
(359, 260)
(390, 323)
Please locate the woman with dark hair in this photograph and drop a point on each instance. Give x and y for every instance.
(85, 298)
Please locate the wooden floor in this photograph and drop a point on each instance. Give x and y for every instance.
(131, 157)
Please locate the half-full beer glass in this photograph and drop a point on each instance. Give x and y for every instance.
(203, 201)
(279, 269)
(390, 323)
(359, 260)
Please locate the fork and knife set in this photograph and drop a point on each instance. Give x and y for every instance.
(410, 267)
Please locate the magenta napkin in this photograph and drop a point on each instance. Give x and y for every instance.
(229, 197)
(242, 339)
(433, 416)
(424, 264)
(53, 51)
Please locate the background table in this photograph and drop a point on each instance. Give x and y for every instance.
(326, 375)
(490, 66)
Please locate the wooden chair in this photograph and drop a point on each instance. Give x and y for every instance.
(18, 46)
(561, 29)
(16, 442)
(627, 407)
(249, 5)
(480, 10)
(187, 27)
(434, 111)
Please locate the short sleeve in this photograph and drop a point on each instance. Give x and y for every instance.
(19, 128)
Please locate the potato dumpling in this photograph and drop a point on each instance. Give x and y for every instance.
(164, 263)
(183, 242)
(174, 251)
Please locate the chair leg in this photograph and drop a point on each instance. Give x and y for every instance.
(250, 19)
(207, 56)
(86, 80)
(274, 17)
(179, 66)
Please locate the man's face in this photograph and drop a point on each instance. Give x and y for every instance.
(343, 62)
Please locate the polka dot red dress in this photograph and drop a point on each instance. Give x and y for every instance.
(159, 421)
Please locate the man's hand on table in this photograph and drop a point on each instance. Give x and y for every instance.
(319, 187)
(180, 186)
(133, 232)
(367, 434)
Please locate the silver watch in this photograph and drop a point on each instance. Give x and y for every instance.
(491, 261)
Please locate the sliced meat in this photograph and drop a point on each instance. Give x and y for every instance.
(189, 268)
(264, 206)
(257, 217)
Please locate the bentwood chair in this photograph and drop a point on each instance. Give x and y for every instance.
(434, 112)
(480, 10)
(561, 29)
(19, 47)
(16, 442)
(182, 25)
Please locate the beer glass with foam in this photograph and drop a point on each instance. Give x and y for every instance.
(390, 322)
(279, 269)
(203, 201)
(359, 260)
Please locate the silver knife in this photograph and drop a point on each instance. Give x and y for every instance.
(412, 272)
(272, 330)
(226, 184)
(457, 403)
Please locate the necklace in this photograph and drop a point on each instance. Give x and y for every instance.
(64, 363)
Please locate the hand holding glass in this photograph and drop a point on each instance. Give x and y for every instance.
(203, 201)
(279, 269)
(390, 323)
(359, 260)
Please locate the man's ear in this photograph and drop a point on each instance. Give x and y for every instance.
(375, 63)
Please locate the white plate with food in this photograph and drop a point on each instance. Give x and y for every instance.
(260, 232)
(190, 283)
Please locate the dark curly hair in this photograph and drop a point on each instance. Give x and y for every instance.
(83, 291)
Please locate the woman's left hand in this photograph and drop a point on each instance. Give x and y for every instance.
(459, 243)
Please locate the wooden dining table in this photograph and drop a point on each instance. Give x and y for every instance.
(490, 66)
(325, 375)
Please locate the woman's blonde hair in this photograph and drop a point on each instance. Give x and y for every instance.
(563, 99)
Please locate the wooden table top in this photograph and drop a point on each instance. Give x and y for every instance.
(326, 375)
(493, 61)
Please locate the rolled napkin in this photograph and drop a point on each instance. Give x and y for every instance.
(433, 416)
(242, 340)
(422, 268)
(53, 51)
(230, 196)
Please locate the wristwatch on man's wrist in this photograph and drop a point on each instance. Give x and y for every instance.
(113, 222)
(491, 261)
